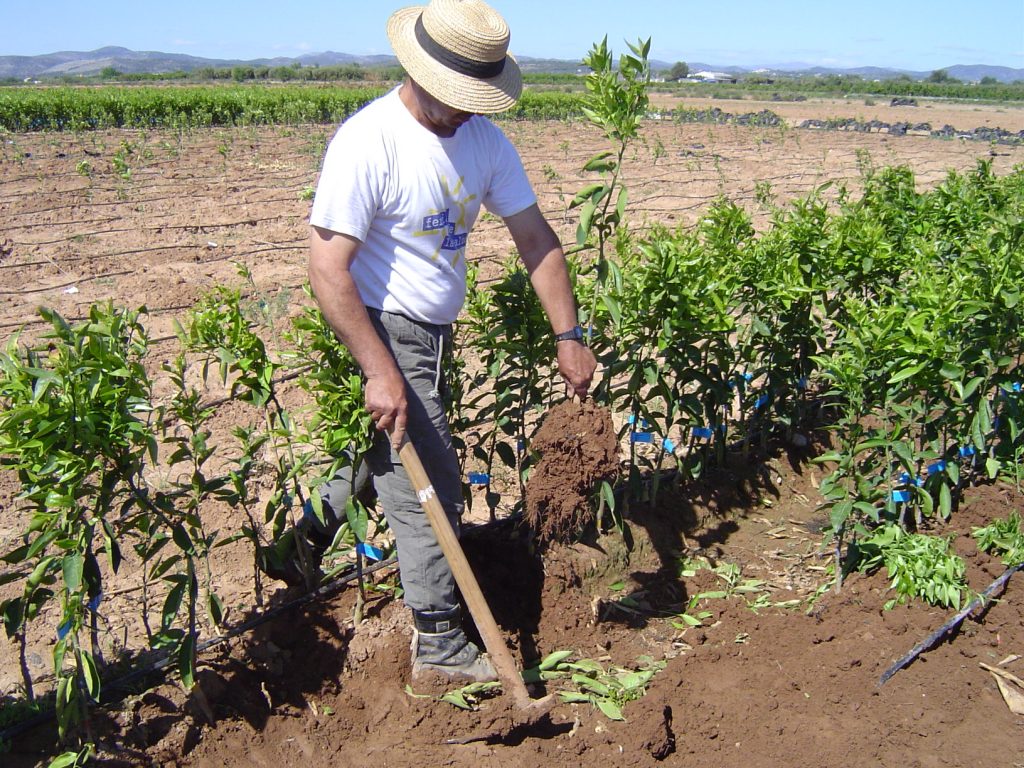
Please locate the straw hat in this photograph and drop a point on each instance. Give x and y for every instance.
(457, 50)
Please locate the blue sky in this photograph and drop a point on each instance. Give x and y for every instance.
(910, 34)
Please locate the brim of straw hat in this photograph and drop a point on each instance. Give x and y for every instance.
(457, 90)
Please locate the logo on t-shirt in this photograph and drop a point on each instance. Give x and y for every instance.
(453, 242)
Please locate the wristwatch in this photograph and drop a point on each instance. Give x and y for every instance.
(573, 334)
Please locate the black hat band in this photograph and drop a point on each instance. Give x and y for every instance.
(483, 70)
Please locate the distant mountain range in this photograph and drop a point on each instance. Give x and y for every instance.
(127, 61)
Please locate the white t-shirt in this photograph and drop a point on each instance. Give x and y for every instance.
(411, 198)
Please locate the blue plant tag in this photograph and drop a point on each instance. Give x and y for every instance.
(643, 421)
(938, 466)
(904, 477)
(479, 478)
(966, 450)
(94, 603)
(668, 445)
(641, 437)
(63, 629)
(901, 497)
(369, 551)
(761, 401)
(703, 433)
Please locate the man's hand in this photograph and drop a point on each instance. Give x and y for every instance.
(385, 400)
(577, 364)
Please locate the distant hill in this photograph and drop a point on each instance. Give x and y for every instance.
(84, 63)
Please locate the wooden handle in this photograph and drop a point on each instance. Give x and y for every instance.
(504, 664)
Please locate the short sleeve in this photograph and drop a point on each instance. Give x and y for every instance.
(348, 192)
(510, 190)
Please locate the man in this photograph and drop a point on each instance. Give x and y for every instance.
(402, 184)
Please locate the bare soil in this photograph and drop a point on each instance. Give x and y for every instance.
(775, 686)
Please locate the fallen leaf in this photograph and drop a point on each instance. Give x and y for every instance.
(1010, 686)
(1013, 697)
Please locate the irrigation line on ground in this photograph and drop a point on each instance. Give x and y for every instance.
(34, 225)
(84, 279)
(161, 228)
(134, 251)
(166, 661)
(133, 201)
(949, 626)
(150, 311)
(76, 259)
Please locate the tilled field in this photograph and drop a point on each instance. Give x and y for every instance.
(157, 218)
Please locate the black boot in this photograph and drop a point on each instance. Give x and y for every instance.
(440, 646)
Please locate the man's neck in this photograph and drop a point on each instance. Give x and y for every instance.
(427, 111)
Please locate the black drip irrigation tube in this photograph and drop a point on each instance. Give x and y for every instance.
(321, 592)
(162, 664)
(980, 601)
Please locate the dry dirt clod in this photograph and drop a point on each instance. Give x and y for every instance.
(578, 450)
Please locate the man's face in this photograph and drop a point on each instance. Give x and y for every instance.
(444, 120)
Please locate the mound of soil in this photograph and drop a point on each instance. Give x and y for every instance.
(578, 450)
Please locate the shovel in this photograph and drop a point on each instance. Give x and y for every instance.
(529, 710)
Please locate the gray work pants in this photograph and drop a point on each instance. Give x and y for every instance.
(418, 349)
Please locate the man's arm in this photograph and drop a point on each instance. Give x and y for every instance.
(542, 255)
(330, 257)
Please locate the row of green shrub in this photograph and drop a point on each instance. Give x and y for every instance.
(59, 109)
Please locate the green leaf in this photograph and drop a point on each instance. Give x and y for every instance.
(91, 675)
(952, 371)
(839, 514)
(608, 495)
(574, 697)
(552, 660)
(610, 709)
(506, 454)
(64, 760)
(358, 519)
(457, 698)
(172, 603)
(72, 566)
(181, 538)
(187, 662)
(587, 215)
(992, 466)
(945, 502)
(906, 373)
(215, 608)
(585, 194)
(601, 162)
